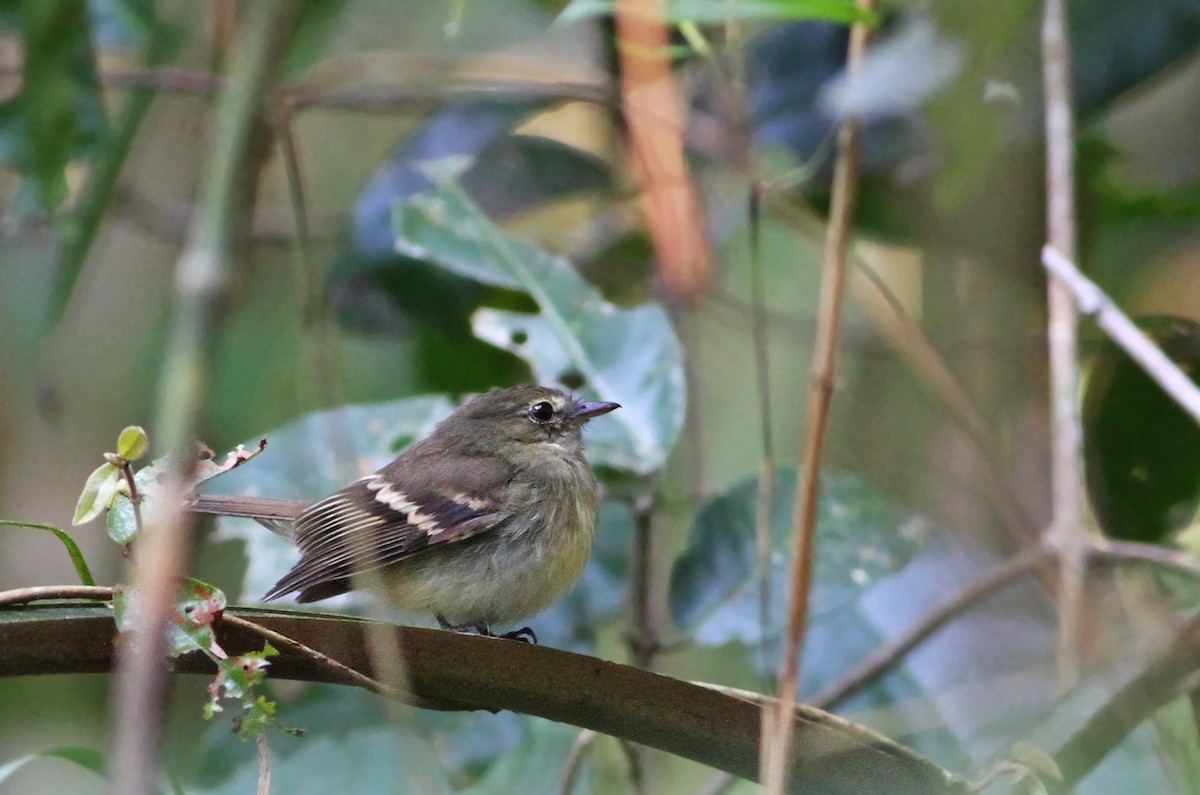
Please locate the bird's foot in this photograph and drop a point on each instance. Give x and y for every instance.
(524, 634)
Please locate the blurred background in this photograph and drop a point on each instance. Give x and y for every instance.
(343, 344)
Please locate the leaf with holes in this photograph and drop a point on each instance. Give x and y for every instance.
(197, 606)
(577, 340)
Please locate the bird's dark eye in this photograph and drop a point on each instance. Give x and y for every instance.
(541, 412)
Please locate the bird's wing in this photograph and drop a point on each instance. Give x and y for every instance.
(391, 515)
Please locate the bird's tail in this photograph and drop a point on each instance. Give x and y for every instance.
(276, 515)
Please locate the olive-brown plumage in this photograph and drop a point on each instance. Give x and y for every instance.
(486, 521)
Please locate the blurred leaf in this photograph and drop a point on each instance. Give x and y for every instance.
(722, 10)
(122, 23)
(535, 765)
(87, 758)
(98, 492)
(317, 22)
(1142, 448)
(197, 606)
(578, 340)
(358, 762)
(518, 173)
(459, 129)
(59, 106)
(861, 538)
(77, 559)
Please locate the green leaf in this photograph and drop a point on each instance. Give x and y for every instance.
(535, 765)
(133, 443)
(98, 493)
(577, 339)
(710, 11)
(59, 91)
(81, 567)
(87, 758)
(356, 762)
(861, 538)
(197, 606)
(121, 520)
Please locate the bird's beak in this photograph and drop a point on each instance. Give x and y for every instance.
(586, 411)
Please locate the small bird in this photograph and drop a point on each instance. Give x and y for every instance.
(488, 520)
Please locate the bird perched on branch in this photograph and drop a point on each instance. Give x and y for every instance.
(486, 521)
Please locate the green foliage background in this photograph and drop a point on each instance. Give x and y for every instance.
(490, 276)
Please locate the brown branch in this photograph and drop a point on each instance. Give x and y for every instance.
(830, 755)
(376, 100)
(778, 726)
(45, 593)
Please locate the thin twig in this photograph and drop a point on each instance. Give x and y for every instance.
(583, 742)
(1067, 529)
(764, 517)
(776, 745)
(301, 237)
(1133, 552)
(636, 758)
(643, 639)
(1124, 332)
(135, 498)
(373, 100)
(324, 660)
(885, 657)
(45, 593)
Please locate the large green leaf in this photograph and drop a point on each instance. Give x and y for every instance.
(577, 339)
(861, 538)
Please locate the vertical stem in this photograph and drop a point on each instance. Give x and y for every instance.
(778, 725)
(1067, 529)
(644, 642)
(202, 279)
(764, 513)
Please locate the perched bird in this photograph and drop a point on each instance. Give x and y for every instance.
(486, 521)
